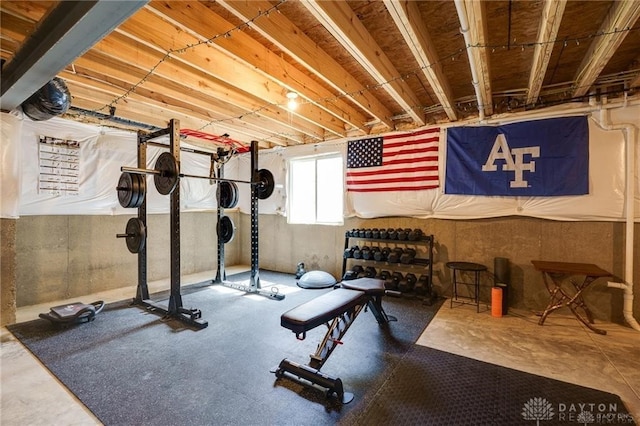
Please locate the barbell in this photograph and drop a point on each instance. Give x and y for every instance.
(165, 173)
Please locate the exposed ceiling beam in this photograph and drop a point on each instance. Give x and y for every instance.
(165, 37)
(122, 47)
(622, 15)
(221, 114)
(474, 29)
(290, 39)
(197, 18)
(407, 17)
(68, 31)
(547, 32)
(338, 18)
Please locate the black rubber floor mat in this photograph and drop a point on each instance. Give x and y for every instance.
(431, 387)
(132, 367)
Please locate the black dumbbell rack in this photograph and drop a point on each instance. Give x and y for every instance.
(419, 265)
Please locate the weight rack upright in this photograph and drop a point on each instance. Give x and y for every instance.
(254, 280)
(175, 308)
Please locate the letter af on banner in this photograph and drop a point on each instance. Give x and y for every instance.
(534, 158)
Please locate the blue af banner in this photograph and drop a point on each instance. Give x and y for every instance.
(534, 158)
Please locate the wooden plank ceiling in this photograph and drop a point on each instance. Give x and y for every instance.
(227, 67)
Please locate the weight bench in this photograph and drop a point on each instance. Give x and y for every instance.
(336, 309)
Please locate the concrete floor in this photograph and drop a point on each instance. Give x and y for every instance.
(562, 349)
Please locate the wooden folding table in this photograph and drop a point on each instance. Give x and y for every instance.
(554, 273)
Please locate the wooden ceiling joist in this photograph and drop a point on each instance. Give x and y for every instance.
(244, 48)
(338, 18)
(289, 38)
(547, 33)
(622, 15)
(165, 37)
(407, 17)
(474, 27)
(119, 46)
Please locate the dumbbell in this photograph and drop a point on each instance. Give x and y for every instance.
(375, 233)
(349, 252)
(386, 277)
(370, 272)
(349, 275)
(363, 251)
(407, 283)
(361, 232)
(384, 234)
(392, 234)
(421, 286)
(357, 253)
(396, 277)
(368, 233)
(394, 256)
(382, 255)
(407, 256)
(358, 270)
(370, 254)
(403, 234)
(415, 235)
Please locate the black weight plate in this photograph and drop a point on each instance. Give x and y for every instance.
(266, 184)
(167, 180)
(125, 190)
(225, 229)
(142, 188)
(136, 235)
(227, 194)
(131, 190)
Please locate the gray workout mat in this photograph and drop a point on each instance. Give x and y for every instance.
(130, 366)
(432, 387)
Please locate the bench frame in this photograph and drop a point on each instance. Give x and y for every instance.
(336, 329)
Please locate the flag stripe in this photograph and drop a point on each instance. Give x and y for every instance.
(400, 162)
(379, 172)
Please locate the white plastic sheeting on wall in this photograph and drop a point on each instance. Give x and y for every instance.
(605, 201)
(10, 128)
(104, 150)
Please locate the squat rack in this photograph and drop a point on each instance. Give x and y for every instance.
(175, 308)
(254, 280)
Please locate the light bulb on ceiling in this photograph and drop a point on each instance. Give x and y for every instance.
(292, 103)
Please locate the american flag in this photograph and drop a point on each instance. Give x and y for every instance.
(402, 162)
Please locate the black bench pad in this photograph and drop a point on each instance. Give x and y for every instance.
(321, 310)
(370, 286)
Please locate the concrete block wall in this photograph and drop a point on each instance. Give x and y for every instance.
(519, 239)
(60, 257)
(8, 271)
(48, 258)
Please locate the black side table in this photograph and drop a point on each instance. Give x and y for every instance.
(458, 269)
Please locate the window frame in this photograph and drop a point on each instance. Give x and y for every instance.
(315, 158)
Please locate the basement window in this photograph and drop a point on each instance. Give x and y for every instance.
(316, 190)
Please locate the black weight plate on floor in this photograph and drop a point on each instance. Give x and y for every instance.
(136, 235)
(266, 184)
(225, 229)
(168, 178)
(227, 194)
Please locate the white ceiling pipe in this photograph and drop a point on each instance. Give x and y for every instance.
(630, 136)
(464, 29)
